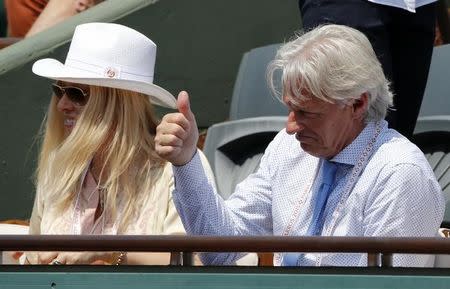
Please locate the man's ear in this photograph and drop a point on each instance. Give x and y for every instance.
(360, 106)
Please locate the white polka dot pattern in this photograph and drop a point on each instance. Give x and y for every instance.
(396, 195)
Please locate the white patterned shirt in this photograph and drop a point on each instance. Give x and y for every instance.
(396, 195)
(409, 5)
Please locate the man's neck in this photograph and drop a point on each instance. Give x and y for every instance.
(353, 133)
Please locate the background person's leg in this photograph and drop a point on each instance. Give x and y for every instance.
(412, 37)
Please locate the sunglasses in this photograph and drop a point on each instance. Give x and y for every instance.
(75, 94)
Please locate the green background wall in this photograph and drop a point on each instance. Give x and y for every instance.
(200, 44)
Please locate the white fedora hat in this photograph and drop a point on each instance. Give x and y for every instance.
(111, 55)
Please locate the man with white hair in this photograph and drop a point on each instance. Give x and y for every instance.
(402, 33)
(336, 170)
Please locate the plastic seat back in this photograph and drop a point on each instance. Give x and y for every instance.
(234, 148)
(251, 94)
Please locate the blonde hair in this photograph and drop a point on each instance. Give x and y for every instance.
(119, 124)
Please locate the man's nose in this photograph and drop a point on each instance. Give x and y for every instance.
(292, 126)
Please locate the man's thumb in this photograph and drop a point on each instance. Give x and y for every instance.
(184, 105)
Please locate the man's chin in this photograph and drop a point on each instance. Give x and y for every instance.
(306, 147)
(310, 149)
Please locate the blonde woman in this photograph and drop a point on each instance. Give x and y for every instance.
(98, 172)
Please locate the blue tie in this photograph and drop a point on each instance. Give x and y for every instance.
(315, 228)
(328, 175)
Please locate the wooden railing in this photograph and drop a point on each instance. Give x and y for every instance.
(182, 247)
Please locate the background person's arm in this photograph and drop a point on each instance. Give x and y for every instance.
(57, 11)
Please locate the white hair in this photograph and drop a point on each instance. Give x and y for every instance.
(334, 63)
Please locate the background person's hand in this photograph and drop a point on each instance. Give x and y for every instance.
(82, 5)
(69, 258)
(177, 134)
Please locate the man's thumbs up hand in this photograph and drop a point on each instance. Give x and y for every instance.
(177, 134)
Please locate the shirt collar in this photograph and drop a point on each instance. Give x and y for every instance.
(351, 153)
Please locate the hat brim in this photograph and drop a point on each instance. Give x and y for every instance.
(53, 69)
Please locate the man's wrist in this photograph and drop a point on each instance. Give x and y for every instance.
(185, 162)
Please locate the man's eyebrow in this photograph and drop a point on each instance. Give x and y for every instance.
(307, 110)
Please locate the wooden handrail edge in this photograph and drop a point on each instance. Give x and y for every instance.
(135, 243)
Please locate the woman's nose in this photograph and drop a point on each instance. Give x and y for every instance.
(65, 104)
